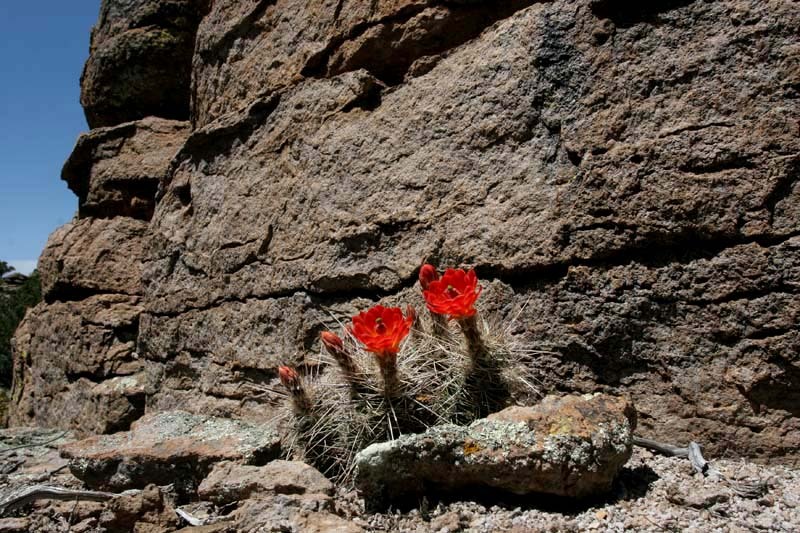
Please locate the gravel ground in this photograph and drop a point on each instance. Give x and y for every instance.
(654, 493)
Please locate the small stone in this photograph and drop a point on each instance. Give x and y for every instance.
(229, 482)
(287, 513)
(447, 523)
(699, 498)
(147, 510)
(765, 522)
(14, 525)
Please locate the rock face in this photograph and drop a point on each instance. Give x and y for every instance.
(572, 446)
(630, 172)
(76, 363)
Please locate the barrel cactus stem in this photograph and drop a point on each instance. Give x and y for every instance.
(291, 380)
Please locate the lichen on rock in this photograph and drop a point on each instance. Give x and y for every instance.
(512, 451)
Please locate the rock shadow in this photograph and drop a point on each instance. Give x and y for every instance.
(631, 484)
(625, 13)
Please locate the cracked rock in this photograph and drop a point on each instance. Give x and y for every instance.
(171, 447)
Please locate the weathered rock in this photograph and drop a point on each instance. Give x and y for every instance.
(29, 456)
(115, 171)
(140, 60)
(572, 446)
(14, 525)
(76, 365)
(168, 448)
(701, 497)
(28, 453)
(231, 482)
(90, 256)
(222, 367)
(323, 39)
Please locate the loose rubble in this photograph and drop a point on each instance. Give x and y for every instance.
(651, 493)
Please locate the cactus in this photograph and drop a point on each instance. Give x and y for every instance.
(391, 374)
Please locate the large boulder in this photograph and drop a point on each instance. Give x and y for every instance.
(93, 256)
(572, 446)
(140, 61)
(76, 365)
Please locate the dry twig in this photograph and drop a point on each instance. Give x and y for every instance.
(47, 492)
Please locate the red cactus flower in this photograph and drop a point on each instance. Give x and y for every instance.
(381, 329)
(454, 294)
(427, 274)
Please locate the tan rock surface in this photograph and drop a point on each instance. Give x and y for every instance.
(231, 482)
(89, 256)
(629, 173)
(76, 365)
(115, 171)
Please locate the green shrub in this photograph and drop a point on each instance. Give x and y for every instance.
(13, 304)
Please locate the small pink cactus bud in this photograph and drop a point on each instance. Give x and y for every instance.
(332, 342)
(289, 377)
(427, 275)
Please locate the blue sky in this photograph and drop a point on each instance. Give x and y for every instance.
(43, 45)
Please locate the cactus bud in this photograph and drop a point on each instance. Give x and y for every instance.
(333, 343)
(294, 384)
(427, 275)
(289, 377)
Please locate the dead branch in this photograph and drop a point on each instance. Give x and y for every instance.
(692, 452)
(191, 520)
(47, 492)
(35, 444)
(665, 449)
(745, 489)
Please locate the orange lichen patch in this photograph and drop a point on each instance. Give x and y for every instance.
(471, 447)
(561, 426)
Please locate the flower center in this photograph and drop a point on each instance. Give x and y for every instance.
(451, 291)
(380, 327)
